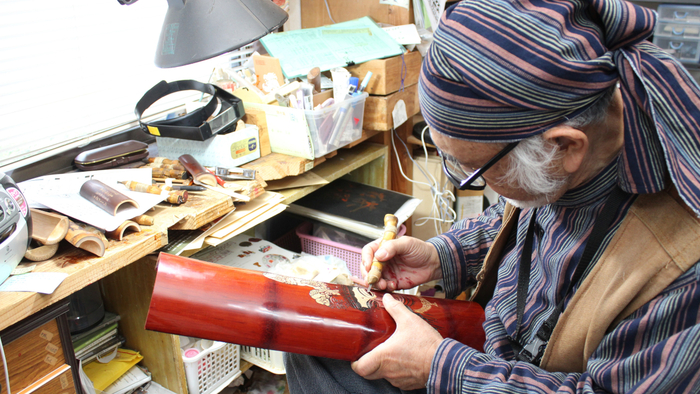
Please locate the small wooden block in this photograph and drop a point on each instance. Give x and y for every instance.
(257, 117)
(277, 166)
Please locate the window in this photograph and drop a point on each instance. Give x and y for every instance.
(73, 71)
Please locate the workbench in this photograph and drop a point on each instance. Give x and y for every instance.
(127, 270)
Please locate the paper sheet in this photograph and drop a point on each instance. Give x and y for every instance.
(301, 180)
(61, 192)
(400, 3)
(404, 34)
(133, 378)
(102, 375)
(331, 46)
(40, 282)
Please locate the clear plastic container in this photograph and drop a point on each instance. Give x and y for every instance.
(314, 133)
(685, 50)
(679, 13)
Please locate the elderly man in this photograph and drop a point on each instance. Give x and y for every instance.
(587, 264)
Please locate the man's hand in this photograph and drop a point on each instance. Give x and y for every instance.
(408, 262)
(405, 358)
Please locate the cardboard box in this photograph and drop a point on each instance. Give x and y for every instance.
(378, 109)
(314, 13)
(386, 73)
(422, 191)
(226, 150)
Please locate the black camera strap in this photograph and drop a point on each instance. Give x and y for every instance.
(533, 351)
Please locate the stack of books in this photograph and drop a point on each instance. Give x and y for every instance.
(100, 340)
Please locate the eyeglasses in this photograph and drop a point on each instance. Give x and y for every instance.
(465, 180)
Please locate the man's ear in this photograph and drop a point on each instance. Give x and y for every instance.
(573, 145)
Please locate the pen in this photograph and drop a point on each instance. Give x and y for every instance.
(365, 81)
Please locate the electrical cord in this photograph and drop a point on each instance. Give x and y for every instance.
(329, 11)
(4, 364)
(442, 198)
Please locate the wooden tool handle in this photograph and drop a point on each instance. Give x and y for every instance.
(375, 273)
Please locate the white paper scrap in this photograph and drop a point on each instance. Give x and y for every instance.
(39, 282)
(404, 34)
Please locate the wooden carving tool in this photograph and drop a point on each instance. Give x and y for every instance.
(174, 197)
(144, 220)
(375, 273)
(157, 172)
(162, 161)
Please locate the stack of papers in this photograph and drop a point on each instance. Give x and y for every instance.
(100, 340)
(104, 375)
(242, 218)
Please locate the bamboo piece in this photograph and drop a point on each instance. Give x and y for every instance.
(118, 233)
(276, 312)
(48, 228)
(41, 253)
(198, 172)
(86, 237)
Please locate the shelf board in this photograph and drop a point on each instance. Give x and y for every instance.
(337, 166)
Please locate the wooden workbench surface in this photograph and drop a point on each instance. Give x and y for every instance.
(201, 208)
(84, 268)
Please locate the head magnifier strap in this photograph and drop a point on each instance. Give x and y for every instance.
(190, 126)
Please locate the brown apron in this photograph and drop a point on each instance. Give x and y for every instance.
(657, 241)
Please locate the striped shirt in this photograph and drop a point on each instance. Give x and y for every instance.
(654, 350)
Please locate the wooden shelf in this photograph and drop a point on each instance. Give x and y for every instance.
(127, 292)
(345, 163)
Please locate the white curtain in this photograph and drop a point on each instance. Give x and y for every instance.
(73, 70)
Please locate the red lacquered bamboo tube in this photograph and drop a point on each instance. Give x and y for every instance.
(269, 311)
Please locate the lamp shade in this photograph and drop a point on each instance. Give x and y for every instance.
(196, 30)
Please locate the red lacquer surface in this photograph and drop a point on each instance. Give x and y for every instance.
(252, 308)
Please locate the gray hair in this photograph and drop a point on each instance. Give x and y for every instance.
(531, 162)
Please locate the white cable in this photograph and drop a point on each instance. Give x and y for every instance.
(4, 364)
(329, 11)
(442, 199)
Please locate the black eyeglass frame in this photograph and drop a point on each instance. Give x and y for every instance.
(466, 184)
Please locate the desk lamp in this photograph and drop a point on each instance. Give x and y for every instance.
(196, 30)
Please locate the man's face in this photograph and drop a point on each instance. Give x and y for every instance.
(473, 155)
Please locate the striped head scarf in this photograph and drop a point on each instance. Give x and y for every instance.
(505, 70)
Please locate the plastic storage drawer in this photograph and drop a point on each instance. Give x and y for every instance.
(677, 30)
(685, 50)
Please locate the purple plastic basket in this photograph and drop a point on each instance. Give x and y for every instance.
(321, 247)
